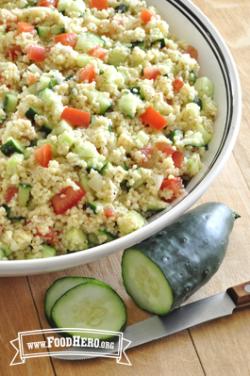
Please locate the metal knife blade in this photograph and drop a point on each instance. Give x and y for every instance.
(185, 317)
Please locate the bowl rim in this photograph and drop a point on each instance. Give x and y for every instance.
(232, 82)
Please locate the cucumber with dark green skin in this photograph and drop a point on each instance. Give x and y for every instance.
(187, 254)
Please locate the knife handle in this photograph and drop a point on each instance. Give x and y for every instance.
(240, 295)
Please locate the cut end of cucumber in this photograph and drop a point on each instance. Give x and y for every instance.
(146, 283)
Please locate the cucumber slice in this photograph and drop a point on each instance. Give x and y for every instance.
(104, 104)
(204, 86)
(13, 162)
(91, 305)
(45, 129)
(118, 55)
(88, 41)
(75, 240)
(30, 114)
(23, 196)
(164, 271)
(10, 102)
(11, 146)
(48, 251)
(146, 283)
(57, 29)
(128, 104)
(58, 289)
(43, 31)
(122, 8)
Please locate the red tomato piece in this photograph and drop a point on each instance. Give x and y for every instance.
(37, 53)
(99, 4)
(109, 212)
(10, 193)
(177, 85)
(24, 27)
(172, 184)
(151, 73)
(146, 16)
(154, 119)
(165, 148)
(87, 74)
(51, 237)
(178, 158)
(98, 52)
(67, 199)
(192, 52)
(47, 3)
(67, 39)
(76, 118)
(43, 155)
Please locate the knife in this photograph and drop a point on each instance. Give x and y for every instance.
(187, 316)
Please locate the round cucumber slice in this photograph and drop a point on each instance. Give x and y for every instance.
(91, 305)
(146, 283)
(59, 288)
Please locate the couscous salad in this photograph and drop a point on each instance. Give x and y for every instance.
(104, 118)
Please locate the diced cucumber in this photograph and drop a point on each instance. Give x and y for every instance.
(108, 236)
(84, 182)
(192, 139)
(204, 86)
(71, 8)
(140, 44)
(23, 196)
(128, 104)
(198, 101)
(75, 240)
(155, 204)
(45, 129)
(86, 150)
(30, 114)
(66, 138)
(93, 206)
(43, 83)
(13, 162)
(58, 289)
(88, 41)
(129, 222)
(193, 165)
(122, 8)
(57, 29)
(176, 136)
(91, 305)
(103, 102)
(10, 102)
(118, 55)
(11, 146)
(48, 251)
(47, 96)
(2, 254)
(44, 31)
(83, 60)
(192, 78)
(159, 43)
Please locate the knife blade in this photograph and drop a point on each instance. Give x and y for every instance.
(187, 316)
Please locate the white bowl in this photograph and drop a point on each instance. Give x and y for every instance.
(190, 24)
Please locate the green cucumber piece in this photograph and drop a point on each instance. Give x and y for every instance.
(128, 104)
(45, 129)
(93, 206)
(105, 104)
(58, 289)
(122, 8)
(30, 114)
(91, 305)
(164, 271)
(88, 41)
(43, 31)
(10, 103)
(204, 86)
(11, 146)
(57, 29)
(160, 43)
(118, 55)
(75, 240)
(23, 196)
(13, 162)
(48, 251)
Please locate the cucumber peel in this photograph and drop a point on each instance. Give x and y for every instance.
(164, 271)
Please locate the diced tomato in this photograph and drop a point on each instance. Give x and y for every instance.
(146, 16)
(76, 118)
(10, 193)
(36, 53)
(67, 39)
(24, 27)
(31, 79)
(51, 237)
(151, 73)
(99, 4)
(87, 74)
(165, 148)
(177, 85)
(174, 185)
(154, 119)
(192, 52)
(67, 199)
(13, 52)
(109, 212)
(47, 3)
(98, 52)
(43, 155)
(178, 158)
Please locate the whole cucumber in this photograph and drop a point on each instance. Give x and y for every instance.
(178, 260)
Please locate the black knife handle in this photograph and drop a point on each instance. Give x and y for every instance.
(240, 295)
